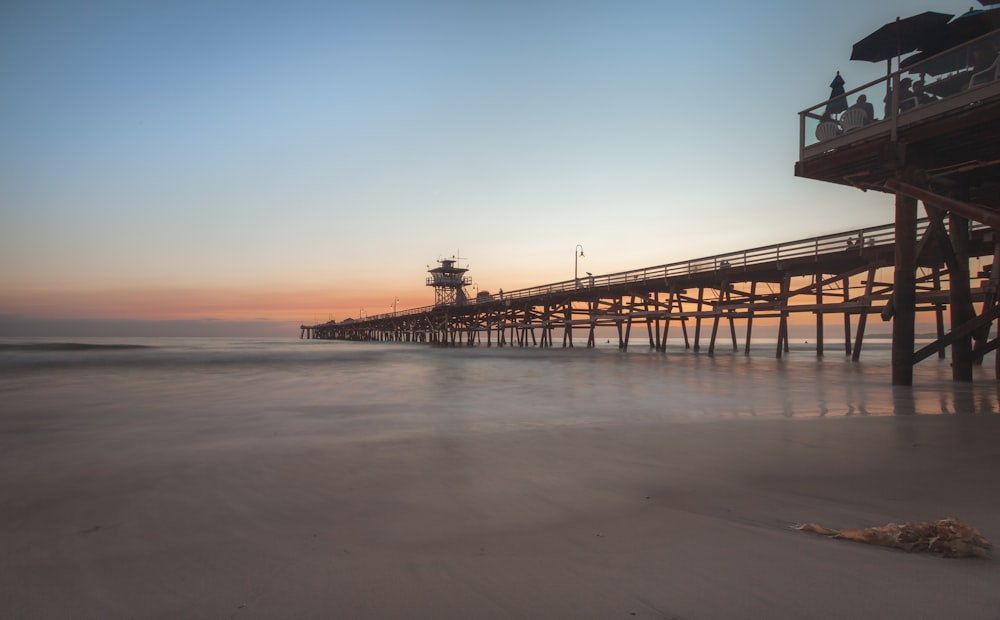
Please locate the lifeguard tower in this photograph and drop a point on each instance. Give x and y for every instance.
(449, 282)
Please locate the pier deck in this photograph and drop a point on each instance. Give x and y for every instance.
(840, 274)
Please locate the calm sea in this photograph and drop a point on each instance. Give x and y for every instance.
(189, 389)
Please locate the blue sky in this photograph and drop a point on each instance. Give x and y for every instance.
(293, 161)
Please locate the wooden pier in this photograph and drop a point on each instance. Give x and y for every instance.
(847, 275)
(943, 151)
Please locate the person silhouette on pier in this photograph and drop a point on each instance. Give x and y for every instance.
(863, 105)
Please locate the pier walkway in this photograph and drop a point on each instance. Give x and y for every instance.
(837, 274)
(942, 151)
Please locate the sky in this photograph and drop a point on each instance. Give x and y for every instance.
(265, 164)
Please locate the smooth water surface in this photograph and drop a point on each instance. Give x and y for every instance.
(209, 389)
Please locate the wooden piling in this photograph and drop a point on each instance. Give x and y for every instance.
(904, 291)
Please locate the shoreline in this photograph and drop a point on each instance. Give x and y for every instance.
(644, 519)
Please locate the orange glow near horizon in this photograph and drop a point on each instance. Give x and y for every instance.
(297, 305)
(288, 303)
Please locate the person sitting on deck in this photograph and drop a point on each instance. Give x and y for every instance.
(863, 105)
(906, 100)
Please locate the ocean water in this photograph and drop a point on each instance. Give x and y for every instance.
(179, 391)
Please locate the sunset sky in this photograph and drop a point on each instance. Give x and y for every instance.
(275, 163)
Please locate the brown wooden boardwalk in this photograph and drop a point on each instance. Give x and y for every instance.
(841, 274)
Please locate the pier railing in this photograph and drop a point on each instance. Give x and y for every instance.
(857, 240)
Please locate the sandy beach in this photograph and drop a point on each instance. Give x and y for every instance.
(679, 520)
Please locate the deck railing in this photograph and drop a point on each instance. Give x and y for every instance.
(859, 240)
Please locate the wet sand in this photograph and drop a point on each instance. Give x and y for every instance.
(644, 520)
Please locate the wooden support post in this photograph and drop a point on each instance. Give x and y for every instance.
(628, 325)
(783, 317)
(656, 299)
(938, 308)
(819, 315)
(666, 321)
(753, 299)
(989, 301)
(904, 291)
(961, 298)
(863, 319)
(715, 331)
(684, 326)
(715, 320)
(697, 320)
(568, 321)
(732, 321)
(847, 316)
(591, 313)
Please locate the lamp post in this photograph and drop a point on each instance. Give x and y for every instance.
(577, 255)
(394, 300)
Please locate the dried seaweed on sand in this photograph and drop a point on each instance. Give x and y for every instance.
(950, 538)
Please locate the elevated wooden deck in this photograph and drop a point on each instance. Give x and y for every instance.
(946, 150)
(950, 148)
(943, 151)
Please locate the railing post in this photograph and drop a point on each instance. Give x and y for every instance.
(894, 102)
(802, 136)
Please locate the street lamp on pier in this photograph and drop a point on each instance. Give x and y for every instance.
(577, 255)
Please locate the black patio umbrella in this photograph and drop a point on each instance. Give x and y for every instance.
(973, 23)
(964, 28)
(900, 37)
(935, 63)
(837, 102)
